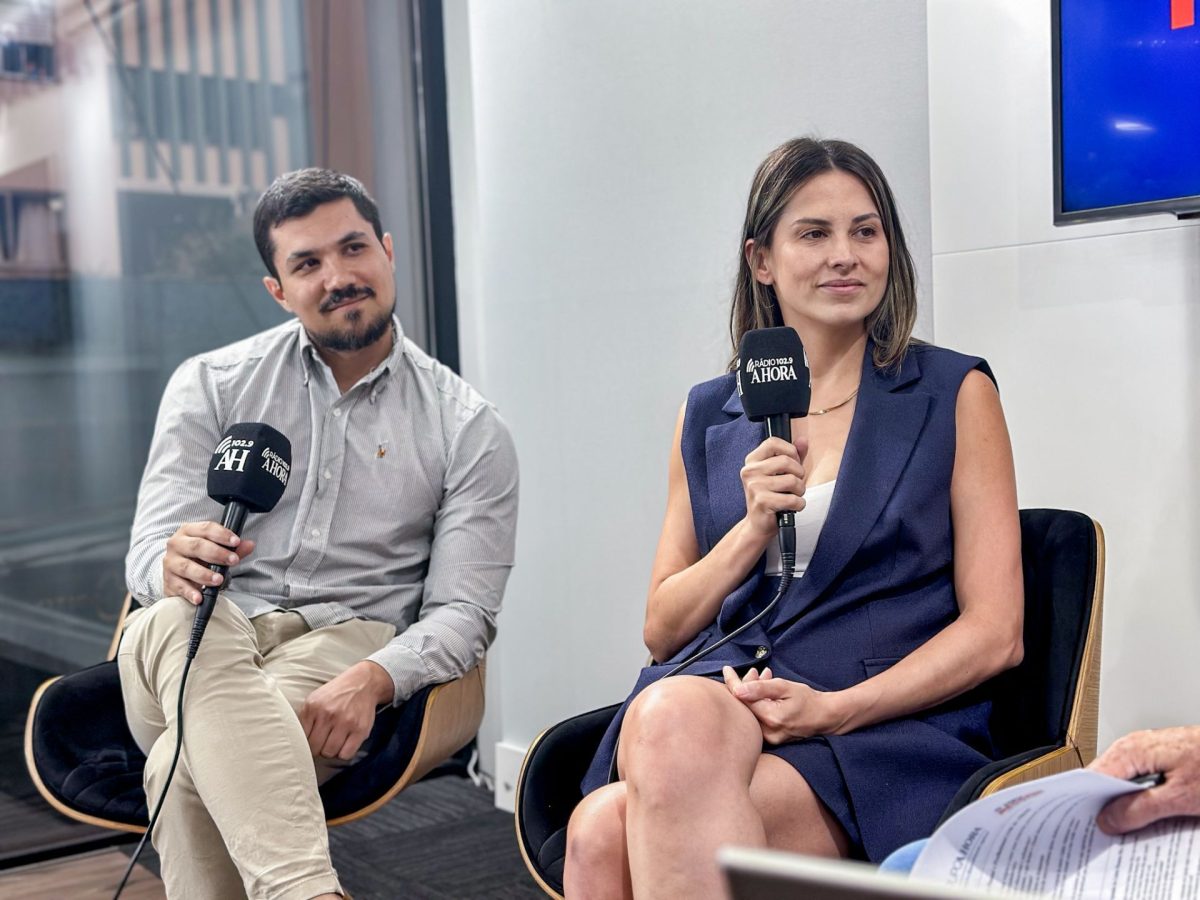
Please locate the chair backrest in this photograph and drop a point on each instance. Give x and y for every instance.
(1052, 697)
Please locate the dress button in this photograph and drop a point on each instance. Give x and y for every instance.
(761, 652)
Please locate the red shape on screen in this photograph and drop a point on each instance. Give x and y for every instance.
(1183, 13)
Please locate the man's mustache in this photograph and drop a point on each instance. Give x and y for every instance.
(344, 295)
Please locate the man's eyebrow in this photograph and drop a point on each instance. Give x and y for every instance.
(343, 240)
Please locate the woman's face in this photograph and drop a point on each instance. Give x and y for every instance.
(828, 259)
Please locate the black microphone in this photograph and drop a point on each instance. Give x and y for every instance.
(248, 472)
(773, 383)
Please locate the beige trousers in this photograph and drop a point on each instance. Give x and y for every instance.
(242, 817)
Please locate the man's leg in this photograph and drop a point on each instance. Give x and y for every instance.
(299, 661)
(245, 779)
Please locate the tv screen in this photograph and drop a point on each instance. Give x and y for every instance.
(1126, 109)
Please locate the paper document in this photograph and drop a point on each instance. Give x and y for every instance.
(1041, 838)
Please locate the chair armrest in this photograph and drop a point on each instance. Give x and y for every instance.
(1016, 769)
(451, 717)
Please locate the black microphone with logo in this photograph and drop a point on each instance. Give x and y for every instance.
(773, 384)
(248, 473)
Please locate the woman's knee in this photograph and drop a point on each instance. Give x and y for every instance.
(596, 833)
(676, 729)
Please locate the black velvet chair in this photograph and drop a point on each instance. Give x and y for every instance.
(84, 761)
(1044, 713)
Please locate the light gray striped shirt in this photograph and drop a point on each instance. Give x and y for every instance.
(401, 506)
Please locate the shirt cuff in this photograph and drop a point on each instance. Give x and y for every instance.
(405, 666)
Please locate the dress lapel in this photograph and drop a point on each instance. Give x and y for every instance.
(882, 435)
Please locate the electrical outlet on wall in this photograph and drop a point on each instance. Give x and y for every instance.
(508, 766)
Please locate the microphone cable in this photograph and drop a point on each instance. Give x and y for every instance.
(209, 599)
(787, 555)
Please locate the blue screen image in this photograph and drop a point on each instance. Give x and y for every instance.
(1130, 104)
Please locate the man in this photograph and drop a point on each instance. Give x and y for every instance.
(380, 571)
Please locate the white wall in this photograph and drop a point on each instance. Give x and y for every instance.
(1092, 331)
(601, 154)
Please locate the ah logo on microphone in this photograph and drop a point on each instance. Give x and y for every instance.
(232, 460)
(233, 452)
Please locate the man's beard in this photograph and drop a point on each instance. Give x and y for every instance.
(349, 339)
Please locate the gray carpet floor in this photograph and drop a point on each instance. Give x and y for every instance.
(441, 839)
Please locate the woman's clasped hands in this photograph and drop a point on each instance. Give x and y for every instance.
(786, 710)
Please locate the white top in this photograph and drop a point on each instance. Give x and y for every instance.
(809, 522)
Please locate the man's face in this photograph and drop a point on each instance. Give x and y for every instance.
(335, 276)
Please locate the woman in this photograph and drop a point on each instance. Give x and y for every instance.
(843, 723)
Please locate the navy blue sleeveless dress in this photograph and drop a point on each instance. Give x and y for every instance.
(879, 585)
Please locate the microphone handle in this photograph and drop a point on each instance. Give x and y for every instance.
(780, 426)
(233, 519)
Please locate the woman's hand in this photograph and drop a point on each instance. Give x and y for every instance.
(773, 480)
(786, 710)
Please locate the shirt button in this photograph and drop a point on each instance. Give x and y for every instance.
(316, 532)
(761, 652)
(337, 413)
(326, 474)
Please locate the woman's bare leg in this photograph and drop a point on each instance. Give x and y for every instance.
(597, 865)
(793, 817)
(696, 778)
(688, 754)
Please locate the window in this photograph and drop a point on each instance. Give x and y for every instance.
(125, 247)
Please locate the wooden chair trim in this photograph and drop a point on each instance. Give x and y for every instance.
(126, 606)
(1064, 759)
(517, 818)
(453, 712)
(41, 785)
(1085, 713)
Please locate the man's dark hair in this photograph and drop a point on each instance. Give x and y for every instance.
(294, 195)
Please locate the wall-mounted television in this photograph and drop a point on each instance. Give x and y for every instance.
(1126, 109)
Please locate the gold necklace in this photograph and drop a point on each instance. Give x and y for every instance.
(821, 412)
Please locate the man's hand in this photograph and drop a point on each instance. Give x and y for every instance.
(337, 716)
(191, 550)
(1173, 751)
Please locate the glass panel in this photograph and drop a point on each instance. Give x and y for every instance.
(133, 145)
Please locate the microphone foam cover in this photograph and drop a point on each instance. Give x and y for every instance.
(251, 465)
(772, 377)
